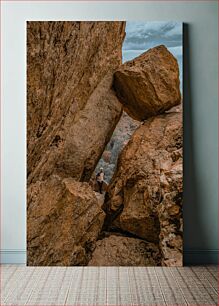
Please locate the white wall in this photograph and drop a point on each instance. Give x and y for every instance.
(200, 104)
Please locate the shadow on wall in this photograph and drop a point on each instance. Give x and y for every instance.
(191, 199)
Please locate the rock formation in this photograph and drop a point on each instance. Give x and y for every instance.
(90, 133)
(64, 221)
(66, 66)
(73, 69)
(145, 195)
(149, 84)
(71, 114)
(125, 251)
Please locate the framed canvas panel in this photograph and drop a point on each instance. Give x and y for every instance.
(104, 143)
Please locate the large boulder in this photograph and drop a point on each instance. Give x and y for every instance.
(125, 251)
(88, 136)
(64, 219)
(71, 110)
(149, 84)
(145, 194)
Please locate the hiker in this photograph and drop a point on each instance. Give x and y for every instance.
(99, 179)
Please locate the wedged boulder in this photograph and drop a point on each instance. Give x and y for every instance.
(64, 219)
(125, 251)
(149, 84)
(88, 136)
(145, 195)
(69, 73)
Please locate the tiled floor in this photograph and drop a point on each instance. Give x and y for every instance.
(108, 286)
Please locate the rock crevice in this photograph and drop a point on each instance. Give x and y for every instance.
(144, 199)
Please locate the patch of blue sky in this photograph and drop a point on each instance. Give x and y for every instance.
(141, 36)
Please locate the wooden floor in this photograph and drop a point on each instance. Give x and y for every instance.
(23, 285)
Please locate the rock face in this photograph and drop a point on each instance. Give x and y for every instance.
(171, 223)
(90, 132)
(145, 195)
(71, 114)
(149, 84)
(64, 221)
(124, 251)
(66, 90)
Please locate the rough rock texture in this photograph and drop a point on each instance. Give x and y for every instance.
(124, 251)
(171, 223)
(66, 89)
(64, 221)
(91, 131)
(145, 195)
(149, 84)
(72, 112)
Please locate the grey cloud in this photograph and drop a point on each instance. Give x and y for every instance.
(145, 35)
(140, 36)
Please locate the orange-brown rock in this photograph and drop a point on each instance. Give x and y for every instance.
(147, 186)
(149, 84)
(64, 219)
(71, 110)
(171, 223)
(125, 251)
(90, 133)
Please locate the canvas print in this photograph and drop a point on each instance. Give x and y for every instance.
(104, 143)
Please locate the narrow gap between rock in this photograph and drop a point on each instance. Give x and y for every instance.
(121, 135)
(108, 162)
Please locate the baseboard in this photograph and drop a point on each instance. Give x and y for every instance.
(191, 257)
(13, 256)
(200, 257)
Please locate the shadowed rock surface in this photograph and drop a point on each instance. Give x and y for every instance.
(124, 251)
(64, 221)
(149, 84)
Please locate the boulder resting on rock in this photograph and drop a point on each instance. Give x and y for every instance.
(149, 84)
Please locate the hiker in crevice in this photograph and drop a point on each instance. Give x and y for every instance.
(100, 179)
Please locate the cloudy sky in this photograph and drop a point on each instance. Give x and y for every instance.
(141, 36)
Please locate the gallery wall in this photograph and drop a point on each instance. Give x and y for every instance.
(200, 112)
